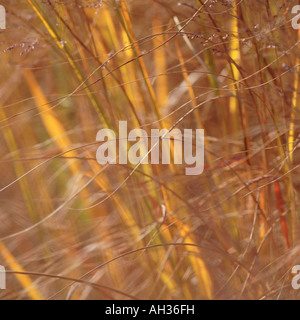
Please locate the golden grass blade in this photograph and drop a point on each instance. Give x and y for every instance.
(24, 280)
(70, 59)
(160, 62)
(235, 55)
(199, 266)
(126, 22)
(53, 126)
(294, 111)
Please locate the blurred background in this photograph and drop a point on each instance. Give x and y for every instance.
(70, 228)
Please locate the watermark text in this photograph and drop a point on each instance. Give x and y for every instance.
(161, 147)
(2, 17)
(2, 278)
(296, 18)
(296, 279)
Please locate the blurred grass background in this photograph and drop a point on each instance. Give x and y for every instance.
(70, 68)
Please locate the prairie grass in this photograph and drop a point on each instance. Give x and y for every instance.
(73, 229)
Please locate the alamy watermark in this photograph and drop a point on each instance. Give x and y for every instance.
(161, 147)
(296, 19)
(2, 278)
(2, 17)
(296, 279)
